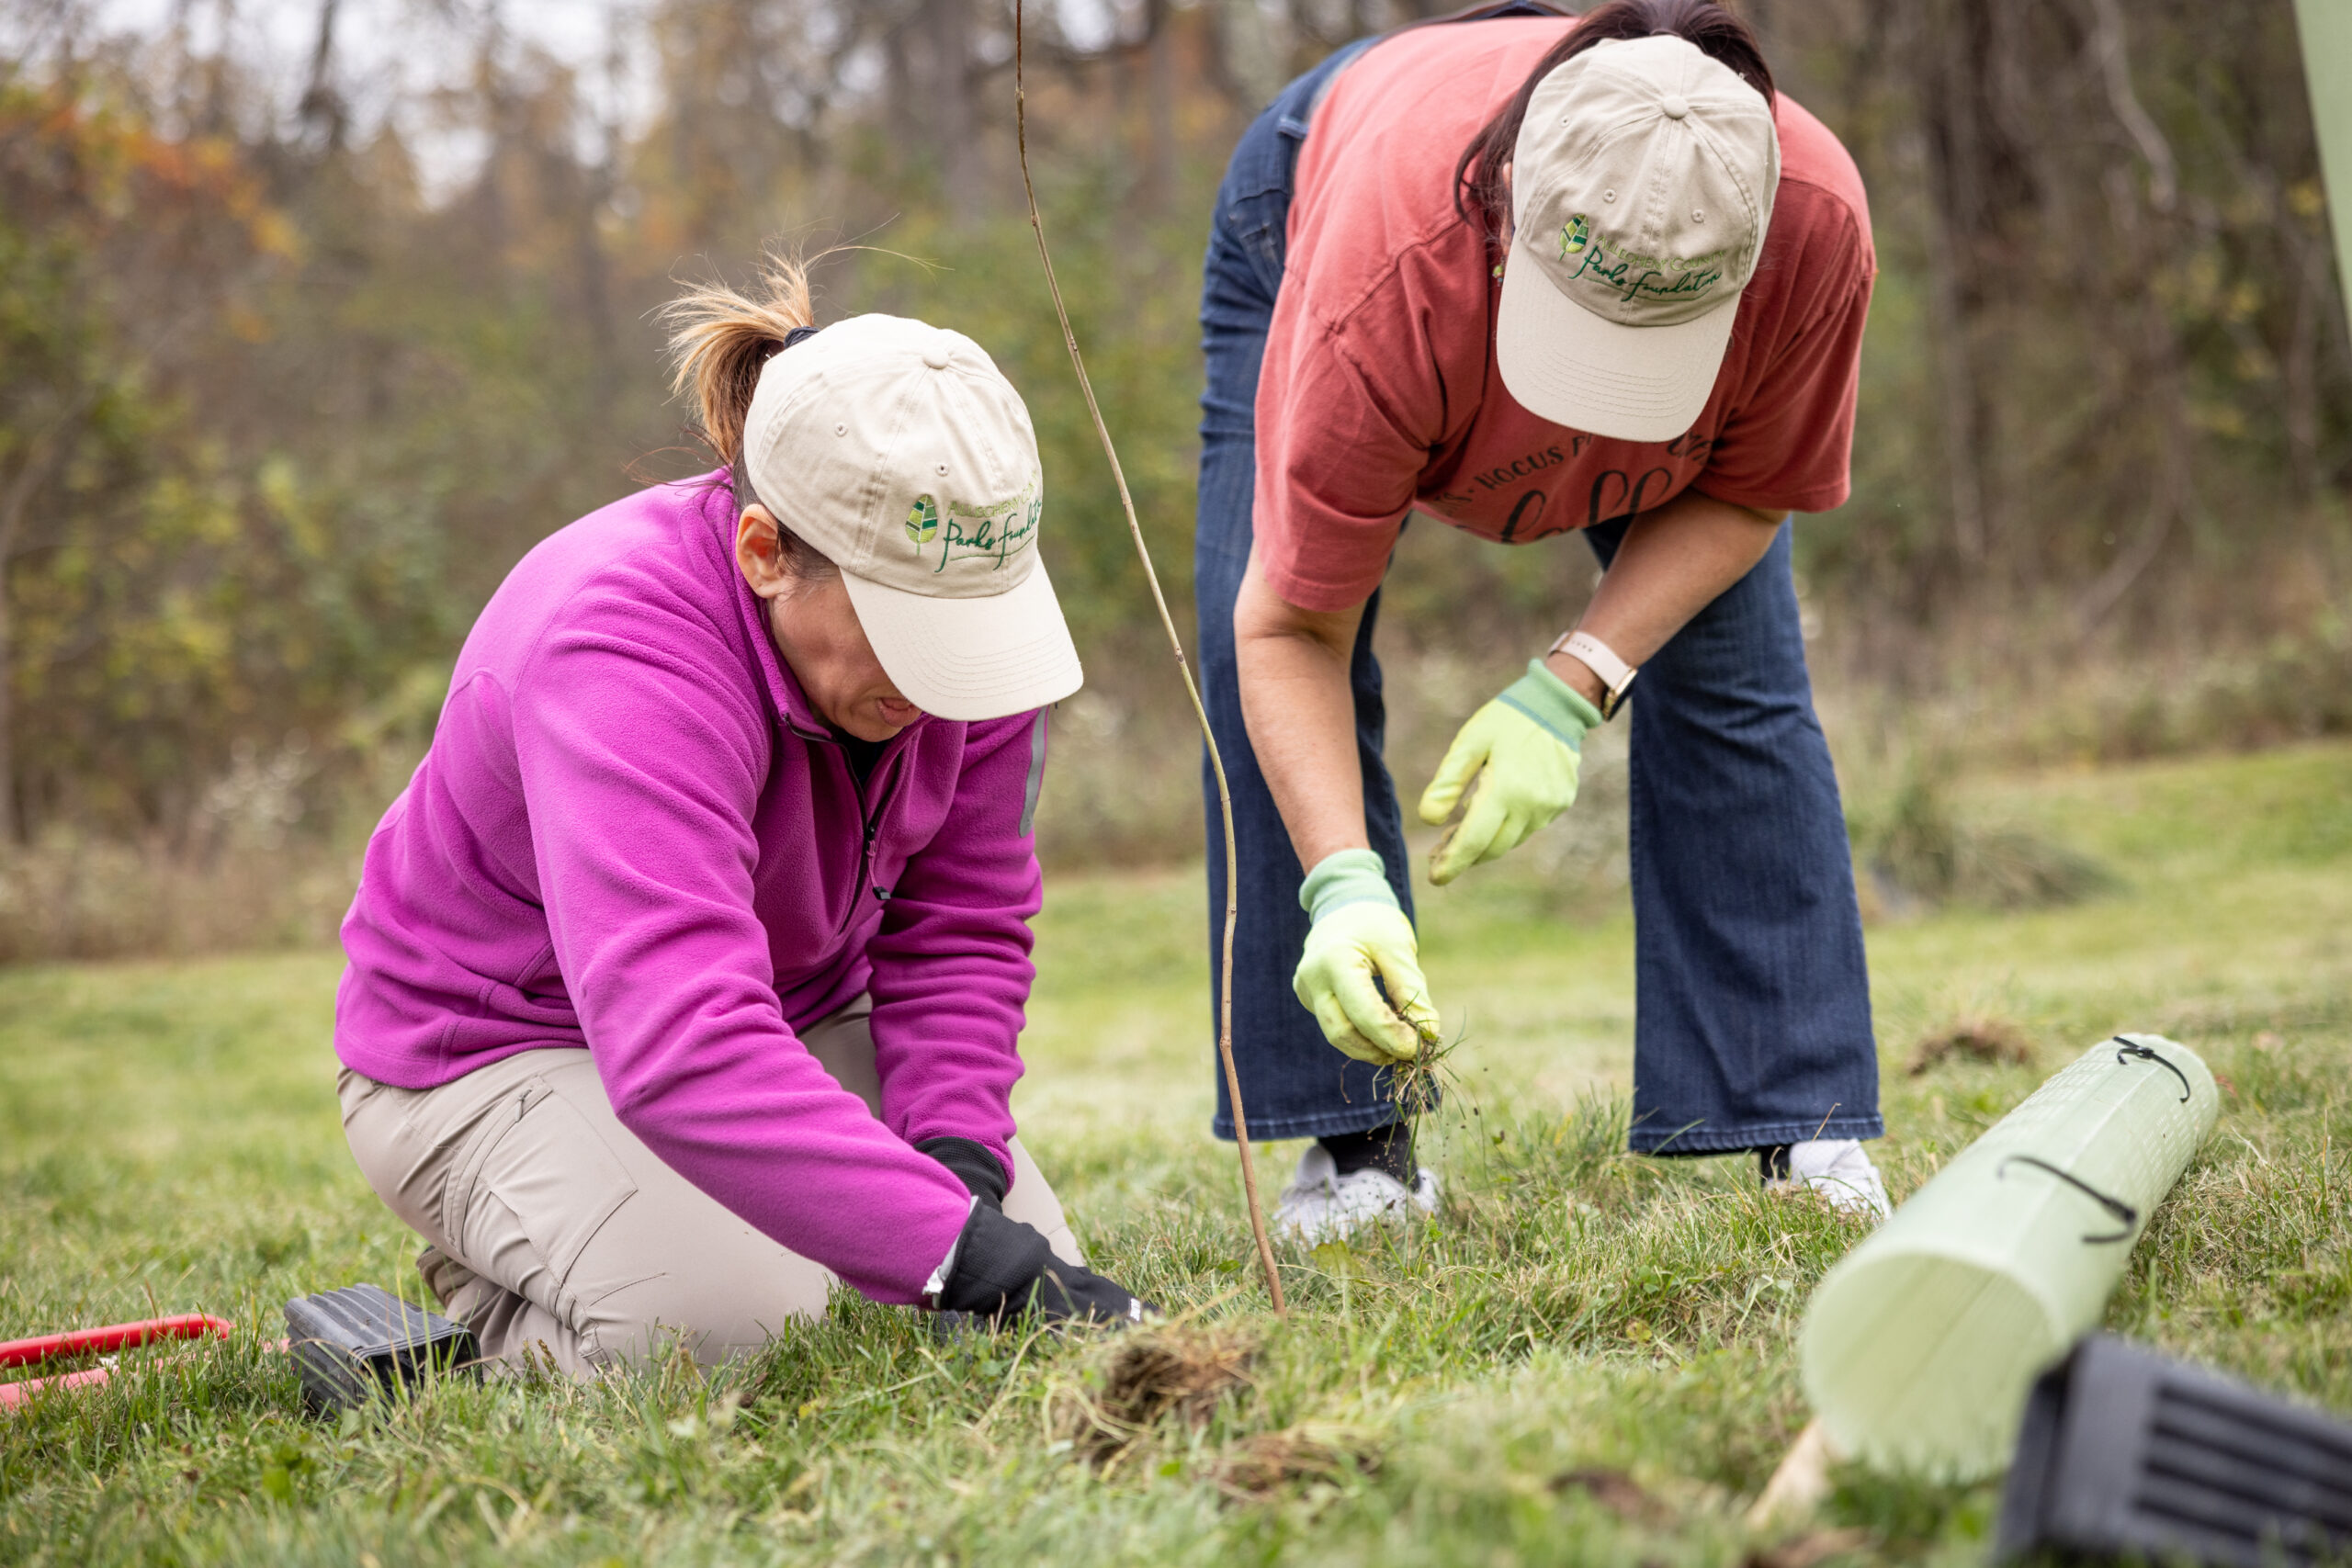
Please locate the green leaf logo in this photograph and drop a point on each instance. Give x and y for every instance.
(1574, 235)
(922, 522)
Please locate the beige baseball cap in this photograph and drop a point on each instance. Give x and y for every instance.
(1641, 188)
(899, 450)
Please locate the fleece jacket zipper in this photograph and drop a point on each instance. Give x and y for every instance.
(869, 816)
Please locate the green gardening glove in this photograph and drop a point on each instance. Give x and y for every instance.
(1518, 756)
(1360, 934)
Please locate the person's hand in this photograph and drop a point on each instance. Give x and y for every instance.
(1065, 1292)
(1004, 1270)
(1518, 757)
(1360, 946)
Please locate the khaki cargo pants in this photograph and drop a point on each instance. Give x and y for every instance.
(555, 1232)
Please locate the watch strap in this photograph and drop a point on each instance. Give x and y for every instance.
(1602, 660)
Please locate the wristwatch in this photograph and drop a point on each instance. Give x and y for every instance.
(1602, 660)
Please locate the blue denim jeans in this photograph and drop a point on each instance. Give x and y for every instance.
(1753, 1020)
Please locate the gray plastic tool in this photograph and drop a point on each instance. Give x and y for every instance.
(362, 1343)
(2125, 1452)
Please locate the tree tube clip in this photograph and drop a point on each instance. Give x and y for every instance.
(2128, 1050)
(2125, 1214)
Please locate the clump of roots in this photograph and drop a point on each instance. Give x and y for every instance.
(1417, 1085)
(1312, 1450)
(1180, 1370)
(1977, 1038)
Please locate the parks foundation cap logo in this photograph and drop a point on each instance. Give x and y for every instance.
(900, 451)
(1642, 186)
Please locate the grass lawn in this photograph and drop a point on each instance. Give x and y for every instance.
(1587, 1357)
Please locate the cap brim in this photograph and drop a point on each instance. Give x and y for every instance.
(1568, 366)
(971, 658)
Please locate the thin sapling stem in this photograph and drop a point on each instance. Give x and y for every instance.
(1183, 668)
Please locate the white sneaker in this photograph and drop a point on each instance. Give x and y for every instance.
(1321, 1205)
(1840, 1171)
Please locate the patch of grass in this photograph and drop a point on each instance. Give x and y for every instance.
(1918, 847)
(1586, 1358)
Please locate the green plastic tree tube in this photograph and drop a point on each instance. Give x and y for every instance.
(1920, 1344)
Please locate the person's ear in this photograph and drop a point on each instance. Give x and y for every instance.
(759, 554)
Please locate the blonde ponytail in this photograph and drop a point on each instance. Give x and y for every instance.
(719, 338)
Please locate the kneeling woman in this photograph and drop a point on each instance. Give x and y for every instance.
(686, 975)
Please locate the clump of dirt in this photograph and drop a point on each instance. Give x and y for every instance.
(1978, 1038)
(1806, 1550)
(1312, 1450)
(1617, 1492)
(1180, 1370)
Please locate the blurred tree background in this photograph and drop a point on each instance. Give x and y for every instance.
(300, 351)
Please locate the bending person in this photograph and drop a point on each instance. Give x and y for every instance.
(686, 975)
(1532, 274)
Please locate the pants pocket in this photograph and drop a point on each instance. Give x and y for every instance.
(536, 1193)
(1258, 229)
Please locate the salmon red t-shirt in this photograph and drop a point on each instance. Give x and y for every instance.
(1379, 393)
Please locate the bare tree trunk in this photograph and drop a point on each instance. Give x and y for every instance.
(2160, 367)
(2299, 372)
(322, 107)
(44, 455)
(1958, 396)
(11, 829)
(182, 79)
(1942, 72)
(1252, 57)
(947, 25)
(2167, 486)
(490, 192)
(1159, 98)
(595, 291)
(216, 86)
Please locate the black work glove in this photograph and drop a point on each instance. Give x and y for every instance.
(1004, 1269)
(972, 1165)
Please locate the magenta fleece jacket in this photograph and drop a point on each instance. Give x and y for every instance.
(633, 833)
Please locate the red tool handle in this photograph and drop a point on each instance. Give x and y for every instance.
(114, 1336)
(13, 1395)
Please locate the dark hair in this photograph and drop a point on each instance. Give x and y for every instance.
(1482, 193)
